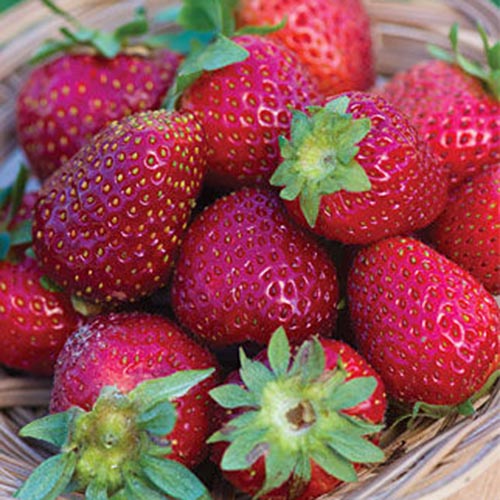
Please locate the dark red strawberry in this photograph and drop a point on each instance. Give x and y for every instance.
(122, 350)
(427, 326)
(244, 269)
(245, 107)
(109, 222)
(67, 100)
(455, 105)
(129, 417)
(331, 38)
(356, 171)
(295, 424)
(34, 321)
(468, 230)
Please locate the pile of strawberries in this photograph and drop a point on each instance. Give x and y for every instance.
(243, 256)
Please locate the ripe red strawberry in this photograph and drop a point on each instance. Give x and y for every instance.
(427, 326)
(245, 269)
(331, 38)
(295, 424)
(129, 417)
(468, 230)
(34, 321)
(245, 107)
(356, 171)
(453, 110)
(68, 99)
(109, 222)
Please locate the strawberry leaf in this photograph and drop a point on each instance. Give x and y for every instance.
(96, 491)
(309, 362)
(138, 489)
(49, 479)
(278, 352)
(158, 419)
(352, 393)
(174, 479)
(244, 450)
(232, 396)
(53, 428)
(254, 374)
(21, 234)
(5, 244)
(279, 465)
(353, 447)
(333, 463)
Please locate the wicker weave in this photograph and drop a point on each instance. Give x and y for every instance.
(431, 461)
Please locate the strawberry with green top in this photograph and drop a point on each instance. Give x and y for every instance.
(94, 78)
(294, 421)
(108, 223)
(331, 38)
(468, 230)
(142, 416)
(241, 87)
(356, 171)
(245, 268)
(455, 105)
(427, 326)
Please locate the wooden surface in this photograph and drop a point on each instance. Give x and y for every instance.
(486, 486)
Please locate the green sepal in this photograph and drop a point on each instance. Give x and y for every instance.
(181, 42)
(263, 29)
(353, 447)
(489, 74)
(150, 393)
(50, 285)
(49, 479)
(208, 16)
(5, 244)
(244, 450)
(320, 157)
(333, 463)
(466, 408)
(158, 419)
(21, 234)
(352, 393)
(309, 361)
(234, 427)
(233, 396)
(96, 491)
(173, 478)
(255, 375)
(278, 352)
(279, 466)
(137, 489)
(53, 428)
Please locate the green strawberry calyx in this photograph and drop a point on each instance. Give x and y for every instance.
(106, 44)
(10, 201)
(320, 157)
(206, 31)
(291, 413)
(489, 74)
(117, 450)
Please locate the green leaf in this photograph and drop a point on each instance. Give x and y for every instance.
(137, 489)
(309, 362)
(200, 15)
(333, 463)
(244, 450)
(255, 375)
(278, 352)
(49, 479)
(262, 29)
(17, 194)
(54, 428)
(280, 464)
(21, 234)
(168, 15)
(338, 106)
(107, 44)
(234, 427)
(352, 393)
(50, 285)
(232, 396)
(174, 479)
(5, 243)
(354, 448)
(158, 419)
(466, 408)
(440, 53)
(309, 204)
(354, 178)
(96, 491)
(137, 27)
(49, 48)
(363, 426)
(181, 42)
(154, 391)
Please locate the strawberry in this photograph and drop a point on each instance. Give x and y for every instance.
(108, 223)
(295, 423)
(245, 107)
(129, 417)
(123, 349)
(244, 269)
(427, 326)
(69, 98)
(468, 230)
(34, 321)
(332, 39)
(455, 105)
(356, 171)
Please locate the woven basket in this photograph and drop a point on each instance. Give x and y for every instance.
(434, 460)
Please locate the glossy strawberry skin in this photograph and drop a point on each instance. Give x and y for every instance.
(468, 230)
(124, 349)
(453, 113)
(331, 38)
(373, 410)
(108, 224)
(244, 108)
(427, 326)
(244, 269)
(34, 321)
(408, 190)
(67, 100)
